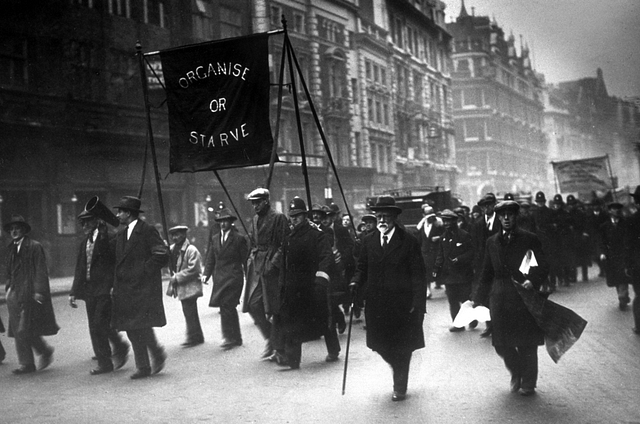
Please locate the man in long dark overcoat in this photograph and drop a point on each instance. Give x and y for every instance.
(137, 288)
(390, 270)
(226, 262)
(31, 313)
(305, 307)
(429, 231)
(632, 246)
(92, 282)
(516, 336)
(614, 254)
(261, 294)
(454, 264)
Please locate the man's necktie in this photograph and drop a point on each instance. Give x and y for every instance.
(385, 243)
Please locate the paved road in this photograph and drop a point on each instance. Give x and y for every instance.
(457, 378)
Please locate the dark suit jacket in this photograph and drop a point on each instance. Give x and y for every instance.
(457, 245)
(480, 235)
(393, 283)
(137, 286)
(430, 246)
(226, 263)
(102, 265)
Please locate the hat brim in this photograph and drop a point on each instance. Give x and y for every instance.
(126, 208)
(226, 218)
(27, 227)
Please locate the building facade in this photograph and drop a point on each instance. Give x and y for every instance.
(498, 111)
(73, 123)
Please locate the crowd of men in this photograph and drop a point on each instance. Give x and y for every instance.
(301, 272)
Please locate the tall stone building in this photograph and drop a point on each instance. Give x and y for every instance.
(498, 110)
(73, 123)
(582, 120)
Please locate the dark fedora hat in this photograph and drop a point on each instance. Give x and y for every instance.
(369, 217)
(225, 213)
(334, 209)
(386, 203)
(297, 206)
(17, 219)
(130, 203)
(487, 199)
(316, 207)
(507, 205)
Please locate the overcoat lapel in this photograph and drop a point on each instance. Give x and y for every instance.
(128, 245)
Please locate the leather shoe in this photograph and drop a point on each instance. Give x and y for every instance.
(267, 353)
(25, 369)
(159, 360)
(192, 343)
(230, 344)
(331, 358)
(101, 370)
(526, 392)
(398, 396)
(514, 385)
(486, 333)
(46, 359)
(120, 358)
(140, 373)
(456, 329)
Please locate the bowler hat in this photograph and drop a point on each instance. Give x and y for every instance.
(259, 194)
(507, 205)
(17, 219)
(225, 213)
(487, 199)
(178, 228)
(540, 197)
(129, 203)
(386, 203)
(297, 206)
(448, 214)
(334, 209)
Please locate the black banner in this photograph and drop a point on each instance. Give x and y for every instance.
(218, 100)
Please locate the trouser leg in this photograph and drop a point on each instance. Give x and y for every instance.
(99, 316)
(229, 323)
(192, 320)
(143, 342)
(257, 312)
(623, 293)
(511, 359)
(529, 366)
(400, 362)
(331, 341)
(293, 349)
(636, 305)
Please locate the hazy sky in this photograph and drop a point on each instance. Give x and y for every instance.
(571, 39)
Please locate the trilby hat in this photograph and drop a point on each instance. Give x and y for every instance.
(225, 213)
(448, 214)
(487, 199)
(386, 203)
(130, 203)
(17, 219)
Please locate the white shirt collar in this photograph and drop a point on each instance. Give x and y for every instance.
(389, 235)
(130, 228)
(489, 221)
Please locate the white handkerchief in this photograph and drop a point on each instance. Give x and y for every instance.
(528, 262)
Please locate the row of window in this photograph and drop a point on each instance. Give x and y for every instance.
(480, 129)
(228, 23)
(151, 12)
(499, 163)
(417, 42)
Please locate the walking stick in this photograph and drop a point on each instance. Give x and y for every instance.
(346, 356)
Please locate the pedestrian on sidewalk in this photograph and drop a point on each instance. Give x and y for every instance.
(92, 282)
(31, 313)
(226, 263)
(632, 244)
(137, 287)
(391, 272)
(614, 254)
(186, 281)
(515, 336)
